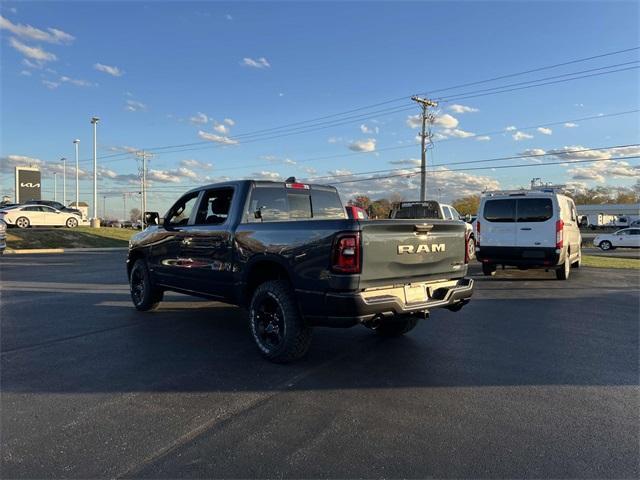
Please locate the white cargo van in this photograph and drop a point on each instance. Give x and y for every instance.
(528, 229)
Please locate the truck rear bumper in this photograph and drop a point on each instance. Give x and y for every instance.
(348, 309)
(519, 256)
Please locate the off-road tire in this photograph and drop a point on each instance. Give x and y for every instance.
(488, 269)
(144, 294)
(396, 328)
(23, 222)
(295, 338)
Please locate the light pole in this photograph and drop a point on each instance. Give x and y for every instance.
(55, 187)
(64, 180)
(104, 206)
(94, 221)
(76, 142)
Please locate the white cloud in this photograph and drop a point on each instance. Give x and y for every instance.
(192, 163)
(229, 121)
(288, 161)
(111, 70)
(444, 121)
(511, 128)
(521, 136)
(35, 53)
(334, 139)
(483, 138)
(199, 119)
(9, 162)
(134, 106)
(212, 137)
(266, 175)
(76, 81)
(257, 63)
(457, 133)
(309, 170)
(228, 17)
(367, 145)
(50, 85)
(457, 108)
(221, 128)
(369, 130)
(545, 131)
(26, 73)
(570, 125)
(52, 35)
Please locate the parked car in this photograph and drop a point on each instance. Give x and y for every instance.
(56, 205)
(288, 252)
(635, 224)
(528, 229)
(626, 238)
(432, 209)
(24, 216)
(3, 236)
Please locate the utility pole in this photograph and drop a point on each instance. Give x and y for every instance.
(94, 221)
(124, 207)
(64, 180)
(55, 187)
(76, 142)
(424, 103)
(143, 180)
(104, 206)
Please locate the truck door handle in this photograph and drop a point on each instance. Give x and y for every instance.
(525, 228)
(186, 240)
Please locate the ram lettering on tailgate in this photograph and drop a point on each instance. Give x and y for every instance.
(422, 248)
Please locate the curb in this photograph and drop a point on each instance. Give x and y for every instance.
(61, 250)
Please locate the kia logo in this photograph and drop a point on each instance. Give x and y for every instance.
(30, 185)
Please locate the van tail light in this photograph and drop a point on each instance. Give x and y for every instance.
(559, 234)
(477, 233)
(347, 253)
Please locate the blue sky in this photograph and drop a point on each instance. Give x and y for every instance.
(175, 73)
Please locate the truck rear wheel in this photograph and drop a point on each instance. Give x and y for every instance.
(488, 269)
(276, 324)
(395, 328)
(563, 271)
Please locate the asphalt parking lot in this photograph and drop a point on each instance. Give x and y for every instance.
(534, 378)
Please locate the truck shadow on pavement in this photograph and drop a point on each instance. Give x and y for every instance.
(195, 346)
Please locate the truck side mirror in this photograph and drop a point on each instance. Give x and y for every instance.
(467, 217)
(258, 214)
(151, 218)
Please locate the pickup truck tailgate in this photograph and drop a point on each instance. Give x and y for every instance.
(406, 251)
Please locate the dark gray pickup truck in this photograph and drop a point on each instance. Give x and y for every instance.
(289, 254)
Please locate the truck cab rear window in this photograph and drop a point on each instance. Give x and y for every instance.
(271, 204)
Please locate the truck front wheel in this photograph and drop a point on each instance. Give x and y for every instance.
(395, 328)
(276, 324)
(143, 293)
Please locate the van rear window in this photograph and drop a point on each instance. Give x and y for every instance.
(503, 211)
(534, 209)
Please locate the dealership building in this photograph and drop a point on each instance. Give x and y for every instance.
(620, 209)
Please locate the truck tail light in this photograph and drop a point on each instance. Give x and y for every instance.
(477, 233)
(346, 253)
(559, 233)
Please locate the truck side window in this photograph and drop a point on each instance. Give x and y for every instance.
(326, 205)
(214, 207)
(268, 205)
(181, 210)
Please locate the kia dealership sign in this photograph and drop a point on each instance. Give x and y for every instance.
(27, 184)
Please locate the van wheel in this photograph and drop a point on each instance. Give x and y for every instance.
(395, 328)
(144, 295)
(488, 269)
(562, 272)
(277, 327)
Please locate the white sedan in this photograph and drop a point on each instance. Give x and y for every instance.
(627, 237)
(24, 216)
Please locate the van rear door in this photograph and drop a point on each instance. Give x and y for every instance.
(497, 222)
(536, 222)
